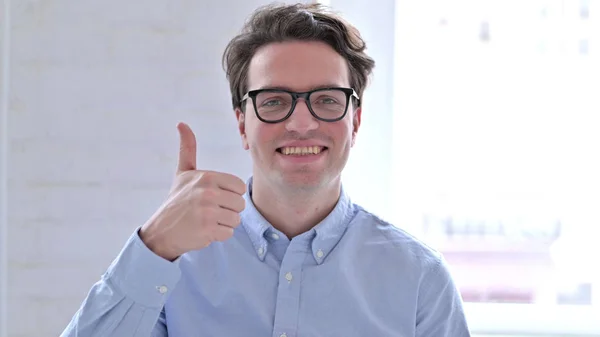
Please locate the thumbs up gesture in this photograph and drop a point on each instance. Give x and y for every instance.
(202, 206)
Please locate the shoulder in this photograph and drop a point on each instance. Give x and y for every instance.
(411, 257)
(397, 243)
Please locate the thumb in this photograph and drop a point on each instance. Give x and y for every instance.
(187, 148)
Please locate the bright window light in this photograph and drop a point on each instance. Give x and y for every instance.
(497, 154)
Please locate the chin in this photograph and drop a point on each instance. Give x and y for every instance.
(304, 180)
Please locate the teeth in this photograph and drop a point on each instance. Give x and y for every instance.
(296, 150)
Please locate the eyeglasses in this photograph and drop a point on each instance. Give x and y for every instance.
(277, 105)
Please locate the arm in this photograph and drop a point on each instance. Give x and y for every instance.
(128, 299)
(440, 309)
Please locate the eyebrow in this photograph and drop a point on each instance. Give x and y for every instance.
(312, 88)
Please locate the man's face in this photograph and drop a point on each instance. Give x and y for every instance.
(298, 66)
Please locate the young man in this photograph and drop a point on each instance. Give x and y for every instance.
(286, 253)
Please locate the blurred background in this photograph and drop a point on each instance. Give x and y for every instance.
(480, 135)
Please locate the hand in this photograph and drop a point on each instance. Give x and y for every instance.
(202, 206)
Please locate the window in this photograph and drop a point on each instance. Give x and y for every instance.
(496, 154)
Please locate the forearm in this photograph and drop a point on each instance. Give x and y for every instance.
(108, 312)
(128, 299)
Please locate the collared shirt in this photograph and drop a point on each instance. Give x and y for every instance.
(351, 275)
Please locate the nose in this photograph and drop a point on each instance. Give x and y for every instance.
(301, 120)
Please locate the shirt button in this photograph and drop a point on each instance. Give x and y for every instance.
(288, 277)
(162, 289)
(275, 236)
(320, 254)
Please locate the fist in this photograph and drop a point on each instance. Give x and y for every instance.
(202, 206)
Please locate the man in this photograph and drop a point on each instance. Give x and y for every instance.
(286, 253)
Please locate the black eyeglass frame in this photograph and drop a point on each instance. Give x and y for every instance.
(350, 92)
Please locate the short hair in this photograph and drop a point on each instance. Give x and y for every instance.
(297, 22)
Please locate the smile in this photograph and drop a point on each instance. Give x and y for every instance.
(300, 150)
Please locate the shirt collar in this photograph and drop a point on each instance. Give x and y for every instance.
(323, 237)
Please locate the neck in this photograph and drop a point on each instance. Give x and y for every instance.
(294, 211)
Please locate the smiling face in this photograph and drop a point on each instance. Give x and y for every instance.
(302, 151)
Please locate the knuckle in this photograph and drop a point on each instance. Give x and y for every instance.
(211, 236)
(207, 216)
(207, 194)
(227, 233)
(220, 234)
(187, 175)
(210, 233)
(183, 180)
(235, 219)
(208, 178)
(241, 186)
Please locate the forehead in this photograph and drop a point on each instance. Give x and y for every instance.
(297, 65)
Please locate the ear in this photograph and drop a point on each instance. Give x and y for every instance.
(356, 123)
(241, 118)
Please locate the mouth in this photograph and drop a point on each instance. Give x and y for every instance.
(301, 150)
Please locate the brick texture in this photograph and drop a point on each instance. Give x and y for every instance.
(96, 90)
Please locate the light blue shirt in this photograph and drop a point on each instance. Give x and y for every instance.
(351, 275)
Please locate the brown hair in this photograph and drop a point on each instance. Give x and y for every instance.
(305, 22)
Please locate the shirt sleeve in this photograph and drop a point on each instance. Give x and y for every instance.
(128, 299)
(440, 311)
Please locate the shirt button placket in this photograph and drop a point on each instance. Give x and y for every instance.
(288, 291)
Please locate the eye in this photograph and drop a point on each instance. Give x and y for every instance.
(326, 100)
(272, 102)
(273, 99)
(329, 100)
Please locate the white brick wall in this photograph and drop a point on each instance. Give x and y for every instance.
(96, 89)
(4, 75)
